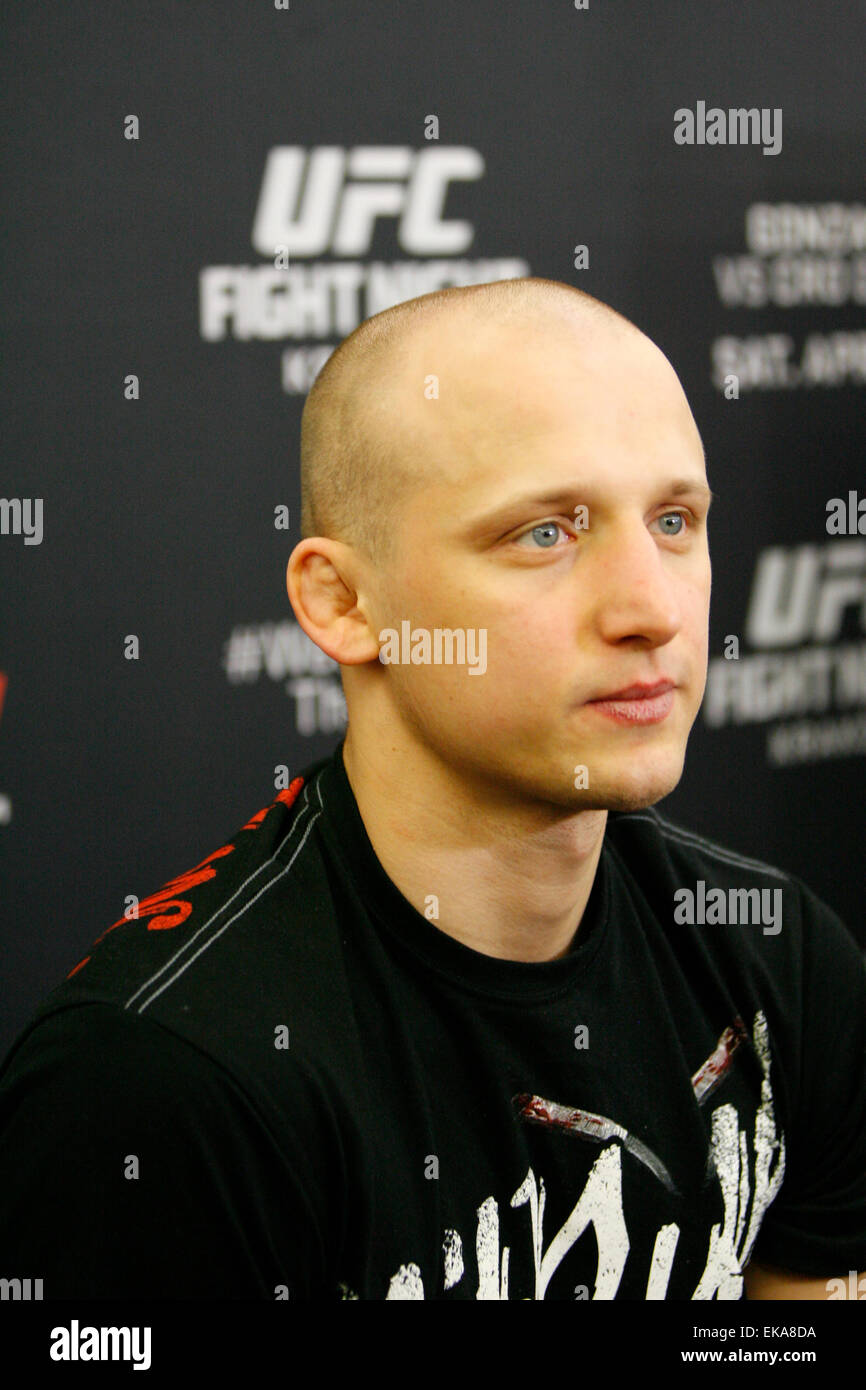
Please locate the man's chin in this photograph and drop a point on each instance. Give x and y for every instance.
(620, 782)
(630, 799)
(629, 787)
(634, 790)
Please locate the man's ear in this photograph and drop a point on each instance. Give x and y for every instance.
(322, 580)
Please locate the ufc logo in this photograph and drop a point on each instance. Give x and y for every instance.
(803, 594)
(330, 198)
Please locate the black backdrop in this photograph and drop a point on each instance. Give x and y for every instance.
(149, 508)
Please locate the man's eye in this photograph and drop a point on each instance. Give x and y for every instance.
(543, 535)
(673, 517)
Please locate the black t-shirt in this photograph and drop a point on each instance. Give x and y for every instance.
(282, 1080)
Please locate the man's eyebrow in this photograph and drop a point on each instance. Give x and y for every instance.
(695, 486)
(564, 499)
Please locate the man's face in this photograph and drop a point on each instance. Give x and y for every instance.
(528, 428)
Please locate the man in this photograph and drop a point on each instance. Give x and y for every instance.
(438, 1023)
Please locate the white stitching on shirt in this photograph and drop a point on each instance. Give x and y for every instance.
(222, 907)
(692, 840)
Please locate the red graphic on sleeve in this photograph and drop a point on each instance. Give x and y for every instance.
(167, 908)
(288, 795)
(172, 910)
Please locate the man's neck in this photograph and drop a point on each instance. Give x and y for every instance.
(507, 881)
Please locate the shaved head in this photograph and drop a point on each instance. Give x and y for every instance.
(364, 446)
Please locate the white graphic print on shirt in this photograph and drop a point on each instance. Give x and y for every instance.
(747, 1191)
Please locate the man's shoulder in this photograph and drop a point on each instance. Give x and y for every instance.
(647, 837)
(692, 879)
(226, 949)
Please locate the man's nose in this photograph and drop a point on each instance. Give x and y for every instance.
(635, 590)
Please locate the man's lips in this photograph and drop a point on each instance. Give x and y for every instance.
(636, 692)
(642, 703)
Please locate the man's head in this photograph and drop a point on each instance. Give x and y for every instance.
(446, 447)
